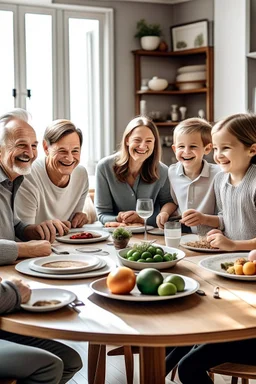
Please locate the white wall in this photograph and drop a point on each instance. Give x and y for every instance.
(230, 66)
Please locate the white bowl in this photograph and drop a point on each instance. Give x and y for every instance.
(191, 76)
(157, 84)
(188, 86)
(160, 265)
(150, 43)
(191, 68)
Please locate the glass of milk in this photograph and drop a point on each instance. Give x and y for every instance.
(172, 233)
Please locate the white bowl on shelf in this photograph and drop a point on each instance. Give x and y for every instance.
(156, 84)
(191, 68)
(189, 86)
(191, 76)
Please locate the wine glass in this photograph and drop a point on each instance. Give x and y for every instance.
(145, 209)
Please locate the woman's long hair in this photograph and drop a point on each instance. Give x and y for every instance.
(149, 170)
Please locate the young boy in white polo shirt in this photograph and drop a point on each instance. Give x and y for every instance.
(191, 178)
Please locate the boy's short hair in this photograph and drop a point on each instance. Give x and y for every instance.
(193, 125)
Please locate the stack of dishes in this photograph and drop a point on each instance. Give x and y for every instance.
(191, 77)
(71, 266)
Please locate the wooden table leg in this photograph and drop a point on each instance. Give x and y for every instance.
(152, 365)
(96, 363)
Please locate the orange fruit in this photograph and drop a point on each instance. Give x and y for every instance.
(121, 280)
(249, 268)
(238, 269)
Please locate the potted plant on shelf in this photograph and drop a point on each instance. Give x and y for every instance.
(149, 35)
(121, 237)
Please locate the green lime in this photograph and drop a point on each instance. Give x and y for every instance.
(157, 258)
(167, 289)
(178, 281)
(136, 255)
(159, 251)
(148, 281)
(129, 253)
(141, 261)
(131, 258)
(167, 258)
(152, 250)
(145, 255)
(149, 260)
(169, 255)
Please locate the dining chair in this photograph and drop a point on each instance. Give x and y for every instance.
(128, 352)
(236, 371)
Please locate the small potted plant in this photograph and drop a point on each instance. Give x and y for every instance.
(149, 35)
(121, 237)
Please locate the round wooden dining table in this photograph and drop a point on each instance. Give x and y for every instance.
(151, 326)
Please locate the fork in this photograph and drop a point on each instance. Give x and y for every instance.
(55, 250)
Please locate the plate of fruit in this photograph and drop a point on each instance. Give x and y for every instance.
(122, 283)
(238, 266)
(147, 255)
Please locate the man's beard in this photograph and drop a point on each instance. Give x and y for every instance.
(22, 171)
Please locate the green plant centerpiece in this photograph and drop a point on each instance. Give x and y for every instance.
(121, 237)
(149, 35)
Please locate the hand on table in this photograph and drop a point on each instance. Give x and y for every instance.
(79, 219)
(47, 230)
(161, 219)
(24, 289)
(129, 217)
(34, 248)
(218, 240)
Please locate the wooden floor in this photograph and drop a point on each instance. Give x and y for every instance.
(115, 369)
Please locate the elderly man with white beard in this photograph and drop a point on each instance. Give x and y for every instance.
(18, 150)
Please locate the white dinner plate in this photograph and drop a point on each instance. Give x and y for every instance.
(88, 262)
(193, 237)
(105, 267)
(156, 231)
(100, 287)
(191, 68)
(212, 264)
(131, 229)
(101, 236)
(64, 297)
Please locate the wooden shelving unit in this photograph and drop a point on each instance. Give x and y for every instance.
(207, 86)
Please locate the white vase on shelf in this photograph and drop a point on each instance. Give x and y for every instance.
(150, 43)
(174, 112)
(183, 111)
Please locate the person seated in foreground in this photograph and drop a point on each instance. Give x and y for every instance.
(57, 185)
(32, 360)
(135, 171)
(18, 150)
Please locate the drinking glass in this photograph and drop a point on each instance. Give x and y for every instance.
(172, 233)
(145, 209)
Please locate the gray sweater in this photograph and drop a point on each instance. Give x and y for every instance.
(9, 297)
(10, 224)
(113, 196)
(237, 205)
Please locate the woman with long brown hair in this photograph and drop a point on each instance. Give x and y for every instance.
(135, 171)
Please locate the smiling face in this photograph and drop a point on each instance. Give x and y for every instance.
(19, 149)
(62, 156)
(232, 155)
(189, 150)
(140, 144)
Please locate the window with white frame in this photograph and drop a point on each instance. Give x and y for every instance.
(59, 64)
